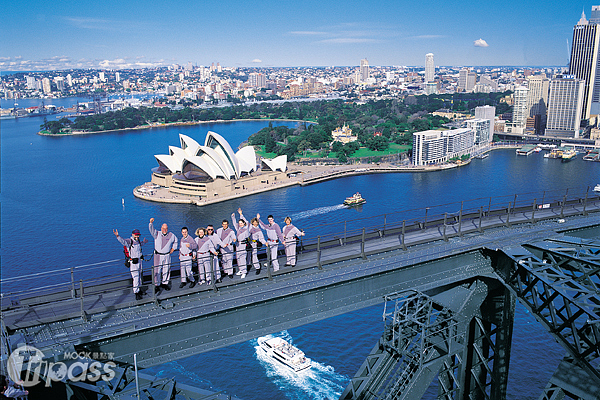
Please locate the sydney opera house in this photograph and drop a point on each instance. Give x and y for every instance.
(214, 168)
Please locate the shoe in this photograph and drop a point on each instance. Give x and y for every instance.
(202, 282)
(157, 289)
(138, 296)
(258, 271)
(243, 276)
(218, 280)
(193, 284)
(167, 286)
(292, 265)
(288, 265)
(181, 285)
(208, 282)
(230, 276)
(239, 273)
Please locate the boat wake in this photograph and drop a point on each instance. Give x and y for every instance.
(318, 382)
(316, 211)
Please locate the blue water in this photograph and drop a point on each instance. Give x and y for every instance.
(61, 198)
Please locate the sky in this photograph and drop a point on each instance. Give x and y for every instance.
(47, 35)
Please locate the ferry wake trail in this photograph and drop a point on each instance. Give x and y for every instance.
(317, 211)
(319, 382)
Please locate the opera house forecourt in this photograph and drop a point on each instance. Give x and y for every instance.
(195, 173)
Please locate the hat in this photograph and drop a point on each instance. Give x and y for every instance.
(136, 232)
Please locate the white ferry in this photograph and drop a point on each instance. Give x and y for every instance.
(280, 350)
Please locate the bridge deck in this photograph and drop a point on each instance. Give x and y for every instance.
(294, 297)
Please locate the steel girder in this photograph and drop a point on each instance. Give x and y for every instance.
(422, 335)
(558, 281)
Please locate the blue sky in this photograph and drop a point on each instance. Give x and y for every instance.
(129, 33)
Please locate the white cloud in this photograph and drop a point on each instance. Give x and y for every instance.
(257, 60)
(308, 33)
(349, 40)
(480, 43)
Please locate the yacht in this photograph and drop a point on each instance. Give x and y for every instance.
(597, 188)
(280, 350)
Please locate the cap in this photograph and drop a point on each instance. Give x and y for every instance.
(135, 232)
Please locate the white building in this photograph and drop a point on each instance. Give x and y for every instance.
(489, 113)
(257, 80)
(520, 110)
(364, 70)
(481, 129)
(429, 68)
(565, 104)
(466, 79)
(46, 85)
(434, 147)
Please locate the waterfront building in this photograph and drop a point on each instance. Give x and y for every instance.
(60, 83)
(489, 113)
(364, 70)
(31, 82)
(565, 104)
(343, 134)
(46, 85)
(213, 169)
(481, 130)
(520, 110)
(434, 147)
(584, 62)
(537, 100)
(429, 68)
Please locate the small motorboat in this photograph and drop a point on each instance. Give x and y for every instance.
(354, 200)
(280, 350)
(597, 188)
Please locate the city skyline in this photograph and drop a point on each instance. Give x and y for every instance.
(129, 34)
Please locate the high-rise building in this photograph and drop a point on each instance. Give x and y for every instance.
(489, 113)
(585, 63)
(595, 18)
(46, 85)
(70, 80)
(30, 82)
(101, 77)
(520, 110)
(257, 80)
(429, 68)
(565, 102)
(60, 83)
(481, 130)
(364, 70)
(466, 79)
(117, 77)
(537, 100)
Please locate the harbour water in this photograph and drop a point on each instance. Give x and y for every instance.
(61, 198)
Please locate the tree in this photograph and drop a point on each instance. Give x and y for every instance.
(342, 158)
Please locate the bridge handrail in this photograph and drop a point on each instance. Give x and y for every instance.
(455, 214)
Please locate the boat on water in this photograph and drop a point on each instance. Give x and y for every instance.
(483, 156)
(280, 350)
(597, 188)
(569, 155)
(355, 200)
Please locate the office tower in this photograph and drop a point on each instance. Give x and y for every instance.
(364, 70)
(520, 110)
(595, 18)
(565, 102)
(429, 68)
(430, 88)
(117, 77)
(462, 78)
(537, 100)
(489, 113)
(466, 79)
(584, 63)
(69, 80)
(46, 85)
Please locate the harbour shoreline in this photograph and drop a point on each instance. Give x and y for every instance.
(170, 124)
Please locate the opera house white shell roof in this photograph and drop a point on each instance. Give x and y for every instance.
(214, 160)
